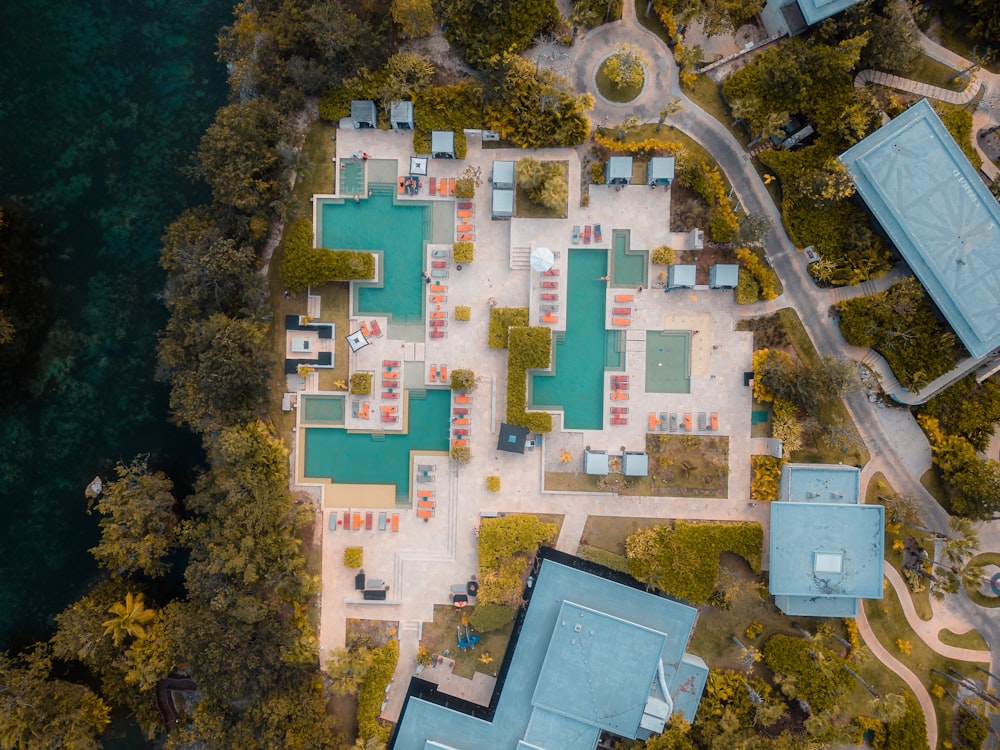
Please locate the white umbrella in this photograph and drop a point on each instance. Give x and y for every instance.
(542, 259)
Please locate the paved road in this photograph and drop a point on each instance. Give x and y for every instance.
(899, 449)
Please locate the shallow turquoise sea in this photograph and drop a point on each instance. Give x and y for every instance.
(101, 105)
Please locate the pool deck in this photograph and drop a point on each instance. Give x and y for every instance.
(425, 557)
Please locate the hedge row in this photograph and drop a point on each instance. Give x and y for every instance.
(765, 484)
(683, 560)
(529, 348)
(371, 692)
(304, 265)
(486, 618)
(501, 320)
(603, 557)
(766, 279)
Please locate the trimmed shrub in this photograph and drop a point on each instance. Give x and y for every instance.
(603, 557)
(304, 265)
(371, 692)
(683, 560)
(463, 312)
(502, 319)
(761, 272)
(597, 173)
(747, 288)
(493, 483)
(765, 485)
(361, 383)
(461, 453)
(468, 182)
(463, 380)
(505, 547)
(909, 732)
(663, 256)
(486, 618)
(463, 252)
(353, 557)
(528, 348)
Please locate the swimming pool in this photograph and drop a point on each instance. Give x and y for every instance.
(628, 268)
(352, 177)
(580, 356)
(399, 231)
(668, 362)
(380, 458)
(323, 409)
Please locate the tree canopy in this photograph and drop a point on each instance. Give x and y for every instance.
(481, 30)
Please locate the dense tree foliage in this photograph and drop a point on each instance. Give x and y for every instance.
(593, 13)
(892, 39)
(506, 546)
(303, 265)
(901, 325)
(415, 17)
(481, 30)
(985, 16)
(816, 672)
(973, 483)
(968, 409)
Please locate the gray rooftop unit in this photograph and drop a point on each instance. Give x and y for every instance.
(503, 175)
(363, 113)
(635, 464)
(681, 276)
(596, 462)
(401, 115)
(503, 204)
(724, 276)
(443, 144)
(619, 170)
(660, 171)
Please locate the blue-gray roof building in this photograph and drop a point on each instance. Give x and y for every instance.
(938, 213)
(814, 11)
(592, 652)
(826, 548)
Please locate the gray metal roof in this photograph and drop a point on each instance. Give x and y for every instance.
(724, 276)
(586, 658)
(660, 169)
(401, 112)
(826, 550)
(363, 110)
(682, 276)
(503, 203)
(443, 142)
(595, 462)
(619, 168)
(503, 174)
(939, 214)
(635, 464)
(814, 11)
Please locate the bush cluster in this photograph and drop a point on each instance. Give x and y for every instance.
(646, 147)
(502, 319)
(683, 560)
(463, 252)
(747, 288)
(762, 273)
(454, 107)
(493, 483)
(765, 483)
(361, 383)
(463, 312)
(353, 557)
(593, 13)
(820, 687)
(463, 380)
(663, 256)
(530, 348)
(304, 265)
(486, 618)
(461, 453)
(371, 692)
(505, 547)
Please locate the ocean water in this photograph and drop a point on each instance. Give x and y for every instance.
(101, 106)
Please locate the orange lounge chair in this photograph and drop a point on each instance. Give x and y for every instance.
(426, 504)
(586, 235)
(465, 204)
(687, 421)
(364, 329)
(551, 272)
(437, 286)
(621, 310)
(376, 329)
(459, 442)
(401, 181)
(357, 522)
(459, 410)
(623, 298)
(425, 493)
(439, 264)
(444, 373)
(390, 363)
(619, 420)
(363, 412)
(621, 321)
(390, 394)
(433, 375)
(619, 396)
(550, 285)
(550, 296)
(654, 421)
(433, 187)
(437, 333)
(451, 186)
(465, 214)
(715, 420)
(425, 514)
(438, 315)
(467, 237)
(549, 318)
(395, 521)
(439, 324)
(464, 228)
(438, 298)
(462, 399)
(462, 420)
(391, 375)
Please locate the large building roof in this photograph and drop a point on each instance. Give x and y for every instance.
(592, 652)
(939, 214)
(826, 549)
(814, 11)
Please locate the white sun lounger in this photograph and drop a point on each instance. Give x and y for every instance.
(439, 273)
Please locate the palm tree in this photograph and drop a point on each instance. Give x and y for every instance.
(888, 708)
(130, 618)
(962, 542)
(765, 714)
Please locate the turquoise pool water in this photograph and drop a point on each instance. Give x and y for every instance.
(352, 177)
(668, 362)
(399, 231)
(580, 356)
(323, 409)
(332, 453)
(629, 269)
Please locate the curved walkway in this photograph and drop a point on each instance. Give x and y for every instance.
(898, 447)
(916, 87)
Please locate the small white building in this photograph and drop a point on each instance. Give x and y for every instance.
(681, 276)
(724, 276)
(503, 204)
(503, 175)
(401, 115)
(618, 171)
(660, 171)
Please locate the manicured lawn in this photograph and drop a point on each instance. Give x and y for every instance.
(970, 639)
(933, 484)
(688, 465)
(889, 625)
(609, 532)
(928, 70)
(613, 93)
(441, 635)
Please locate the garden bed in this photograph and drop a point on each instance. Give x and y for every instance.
(440, 636)
(688, 465)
